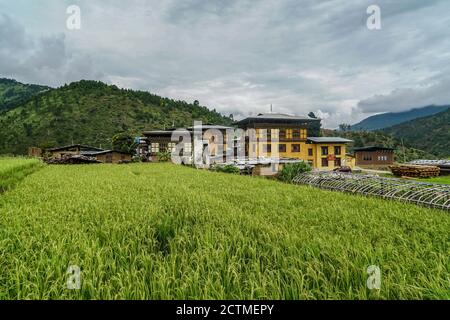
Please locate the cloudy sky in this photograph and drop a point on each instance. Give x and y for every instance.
(240, 56)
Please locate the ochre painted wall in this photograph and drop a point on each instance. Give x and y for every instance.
(259, 149)
(331, 152)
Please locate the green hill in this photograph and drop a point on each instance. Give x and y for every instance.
(389, 119)
(431, 133)
(13, 93)
(91, 112)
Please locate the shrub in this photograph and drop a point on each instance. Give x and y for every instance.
(227, 169)
(164, 156)
(291, 170)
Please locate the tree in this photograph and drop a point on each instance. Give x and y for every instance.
(124, 142)
(312, 115)
(344, 127)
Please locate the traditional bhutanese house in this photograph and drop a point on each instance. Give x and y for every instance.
(290, 131)
(327, 153)
(289, 135)
(157, 141)
(216, 137)
(75, 149)
(374, 157)
(160, 141)
(109, 156)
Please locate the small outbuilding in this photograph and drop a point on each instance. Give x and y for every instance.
(374, 157)
(110, 156)
(78, 151)
(74, 149)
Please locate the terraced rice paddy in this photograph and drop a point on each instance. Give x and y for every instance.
(160, 231)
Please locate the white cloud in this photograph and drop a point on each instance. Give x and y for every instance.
(240, 56)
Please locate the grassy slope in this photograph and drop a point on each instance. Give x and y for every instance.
(441, 179)
(164, 231)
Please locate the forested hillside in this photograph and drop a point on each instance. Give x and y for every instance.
(389, 119)
(13, 93)
(403, 151)
(91, 112)
(431, 134)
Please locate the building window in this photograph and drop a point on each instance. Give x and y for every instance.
(163, 147)
(295, 148)
(337, 162)
(155, 147)
(187, 148)
(267, 148)
(289, 133)
(171, 147)
(367, 157)
(382, 158)
(282, 134)
(337, 150)
(310, 152)
(324, 162)
(303, 134)
(324, 151)
(296, 133)
(281, 148)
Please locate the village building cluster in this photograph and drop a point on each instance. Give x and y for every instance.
(264, 140)
(259, 141)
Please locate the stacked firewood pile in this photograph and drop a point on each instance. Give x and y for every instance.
(72, 159)
(415, 171)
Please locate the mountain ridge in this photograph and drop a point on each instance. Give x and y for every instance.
(431, 133)
(14, 93)
(389, 119)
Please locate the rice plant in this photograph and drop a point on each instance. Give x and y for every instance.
(12, 170)
(160, 231)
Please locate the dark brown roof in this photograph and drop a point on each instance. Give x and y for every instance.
(81, 146)
(328, 140)
(96, 153)
(275, 118)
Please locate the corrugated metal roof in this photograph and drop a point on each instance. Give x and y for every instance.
(281, 116)
(328, 140)
(74, 146)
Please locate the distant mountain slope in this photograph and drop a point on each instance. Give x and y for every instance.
(13, 93)
(91, 112)
(385, 120)
(431, 133)
(403, 151)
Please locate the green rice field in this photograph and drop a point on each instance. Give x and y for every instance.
(441, 179)
(161, 231)
(12, 170)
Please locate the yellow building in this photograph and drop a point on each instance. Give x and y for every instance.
(289, 137)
